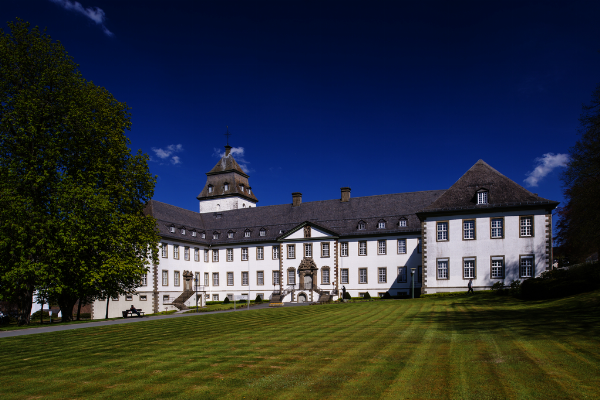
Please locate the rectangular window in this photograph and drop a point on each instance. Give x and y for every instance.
(262, 232)
(245, 278)
(526, 227)
(143, 297)
(344, 249)
(469, 229)
(215, 235)
(469, 268)
(275, 252)
(215, 255)
(344, 276)
(291, 251)
(229, 235)
(176, 251)
(260, 253)
(186, 253)
(247, 234)
(526, 266)
(442, 268)
(230, 279)
(215, 279)
(401, 274)
(382, 274)
(381, 225)
(308, 250)
(402, 223)
(215, 297)
(325, 250)
(362, 275)
(275, 277)
(325, 276)
(482, 197)
(497, 227)
(244, 254)
(193, 233)
(229, 255)
(497, 271)
(362, 248)
(291, 277)
(401, 246)
(205, 255)
(176, 278)
(381, 247)
(197, 278)
(260, 278)
(144, 281)
(165, 278)
(203, 235)
(442, 231)
(164, 250)
(196, 254)
(206, 279)
(165, 298)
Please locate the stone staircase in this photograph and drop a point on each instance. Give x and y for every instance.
(179, 302)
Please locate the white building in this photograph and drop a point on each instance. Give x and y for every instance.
(485, 226)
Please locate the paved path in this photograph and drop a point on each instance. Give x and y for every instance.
(56, 328)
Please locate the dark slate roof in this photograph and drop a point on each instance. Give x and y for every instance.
(334, 215)
(227, 163)
(502, 192)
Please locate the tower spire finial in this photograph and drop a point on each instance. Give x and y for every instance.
(227, 134)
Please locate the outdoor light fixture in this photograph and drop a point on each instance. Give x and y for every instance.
(412, 280)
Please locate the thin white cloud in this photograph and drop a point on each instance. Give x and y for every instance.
(545, 165)
(96, 14)
(164, 154)
(238, 154)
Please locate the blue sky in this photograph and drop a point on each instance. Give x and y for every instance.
(383, 97)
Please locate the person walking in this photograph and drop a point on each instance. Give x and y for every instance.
(470, 285)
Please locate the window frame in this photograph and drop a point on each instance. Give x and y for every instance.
(344, 249)
(347, 271)
(501, 219)
(215, 279)
(402, 240)
(531, 227)
(381, 270)
(474, 229)
(196, 254)
(325, 253)
(381, 224)
(497, 258)
(402, 223)
(275, 278)
(176, 278)
(325, 271)
(380, 247)
(526, 257)
(215, 256)
(360, 243)
(275, 252)
(176, 252)
(247, 233)
(402, 273)
(245, 278)
(229, 255)
(292, 275)
(206, 279)
(291, 249)
(260, 275)
(482, 197)
(262, 232)
(244, 254)
(464, 261)
(308, 250)
(144, 280)
(206, 256)
(361, 226)
(366, 276)
(437, 268)
(165, 277)
(164, 250)
(230, 278)
(439, 224)
(260, 253)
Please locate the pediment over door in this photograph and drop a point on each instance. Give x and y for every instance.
(308, 230)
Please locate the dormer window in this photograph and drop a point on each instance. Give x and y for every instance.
(215, 235)
(172, 229)
(402, 222)
(203, 235)
(242, 188)
(381, 224)
(193, 233)
(361, 225)
(482, 197)
(226, 186)
(281, 231)
(247, 233)
(183, 231)
(210, 188)
(230, 235)
(263, 232)
(249, 190)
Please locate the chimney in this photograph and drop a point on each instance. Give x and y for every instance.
(296, 199)
(227, 150)
(345, 194)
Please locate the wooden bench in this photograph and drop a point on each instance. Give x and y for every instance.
(128, 313)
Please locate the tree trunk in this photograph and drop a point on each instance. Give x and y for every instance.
(42, 313)
(24, 302)
(66, 308)
(78, 309)
(107, 300)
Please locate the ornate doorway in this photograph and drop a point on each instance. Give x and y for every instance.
(187, 280)
(302, 298)
(308, 272)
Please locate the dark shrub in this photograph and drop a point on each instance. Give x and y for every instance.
(258, 299)
(347, 296)
(226, 301)
(36, 315)
(562, 282)
(367, 296)
(386, 295)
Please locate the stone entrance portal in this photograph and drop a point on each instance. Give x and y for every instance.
(307, 272)
(302, 298)
(187, 280)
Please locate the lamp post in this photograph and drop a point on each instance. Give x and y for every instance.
(412, 281)
(196, 282)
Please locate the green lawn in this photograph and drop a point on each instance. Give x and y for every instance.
(480, 347)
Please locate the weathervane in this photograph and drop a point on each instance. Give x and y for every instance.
(227, 134)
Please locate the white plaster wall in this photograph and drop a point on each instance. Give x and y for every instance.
(224, 204)
(483, 247)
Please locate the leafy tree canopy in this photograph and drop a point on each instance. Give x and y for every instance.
(72, 195)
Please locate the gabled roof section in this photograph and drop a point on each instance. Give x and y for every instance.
(290, 233)
(227, 164)
(502, 192)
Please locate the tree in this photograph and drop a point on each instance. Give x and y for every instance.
(72, 195)
(578, 220)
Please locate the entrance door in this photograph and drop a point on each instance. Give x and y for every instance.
(187, 283)
(308, 282)
(301, 298)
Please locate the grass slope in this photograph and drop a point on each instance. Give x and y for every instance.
(479, 347)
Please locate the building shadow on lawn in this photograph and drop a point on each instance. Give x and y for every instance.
(577, 315)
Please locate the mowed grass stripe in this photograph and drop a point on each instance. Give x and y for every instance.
(479, 346)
